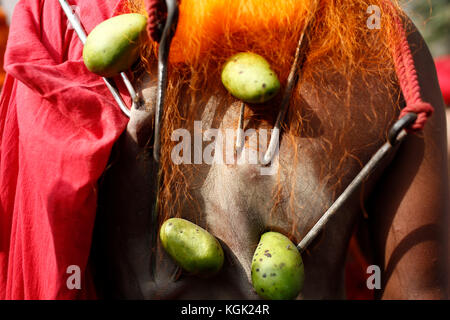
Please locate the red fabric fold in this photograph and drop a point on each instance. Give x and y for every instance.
(58, 123)
(443, 73)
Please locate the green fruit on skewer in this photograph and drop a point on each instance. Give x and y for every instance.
(113, 46)
(248, 77)
(277, 268)
(193, 248)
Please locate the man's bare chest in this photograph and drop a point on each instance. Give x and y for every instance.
(239, 200)
(324, 144)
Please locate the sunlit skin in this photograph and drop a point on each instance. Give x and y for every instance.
(405, 204)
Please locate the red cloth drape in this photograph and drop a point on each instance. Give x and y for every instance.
(58, 123)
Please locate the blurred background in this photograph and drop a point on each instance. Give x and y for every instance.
(8, 6)
(432, 18)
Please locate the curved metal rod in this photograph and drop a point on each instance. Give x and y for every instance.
(163, 57)
(240, 133)
(291, 82)
(406, 121)
(396, 135)
(118, 97)
(76, 24)
(134, 96)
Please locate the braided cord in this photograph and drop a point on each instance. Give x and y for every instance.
(408, 81)
(157, 13)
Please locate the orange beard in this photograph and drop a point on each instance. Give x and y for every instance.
(210, 31)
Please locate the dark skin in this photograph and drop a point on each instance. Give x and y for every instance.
(410, 218)
(407, 206)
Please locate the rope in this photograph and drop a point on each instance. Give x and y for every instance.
(157, 13)
(407, 77)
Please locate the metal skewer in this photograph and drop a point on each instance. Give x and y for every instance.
(163, 58)
(291, 82)
(76, 24)
(240, 133)
(396, 135)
